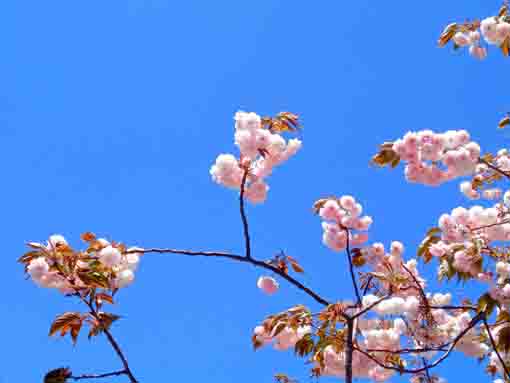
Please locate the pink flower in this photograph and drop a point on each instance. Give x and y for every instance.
(257, 192)
(110, 256)
(124, 278)
(478, 52)
(461, 39)
(268, 284)
(37, 268)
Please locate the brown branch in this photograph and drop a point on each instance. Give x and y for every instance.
(493, 343)
(454, 342)
(410, 350)
(351, 267)
(113, 342)
(246, 231)
(239, 258)
(452, 307)
(349, 350)
(495, 168)
(98, 376)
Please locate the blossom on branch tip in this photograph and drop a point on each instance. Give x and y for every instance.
(261, 148)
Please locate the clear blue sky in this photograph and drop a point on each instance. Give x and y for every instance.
(111, 113)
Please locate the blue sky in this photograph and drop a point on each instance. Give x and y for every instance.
(111, 114)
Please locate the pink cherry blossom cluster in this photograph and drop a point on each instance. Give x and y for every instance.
(425, 150)
(341, 217)
(52, 267)
(387, 266)
(387, 335)
(495, 31)
(284, 340)
(261, 151)
(466, 234)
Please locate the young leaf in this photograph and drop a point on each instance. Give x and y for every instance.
(64, 322)
(59, 375)
(504, 122)
(88, 237)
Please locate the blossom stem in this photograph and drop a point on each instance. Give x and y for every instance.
(246, 231)
(113, 342)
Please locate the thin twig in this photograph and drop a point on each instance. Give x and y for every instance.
(98, 376)
(351, 268)
(246, 231)
(239, 258)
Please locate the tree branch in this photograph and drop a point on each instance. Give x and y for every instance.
(246, 231)
(98, 376)
(239, 258)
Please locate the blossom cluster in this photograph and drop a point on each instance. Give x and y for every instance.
(341, 217)
(425, 150)
(104, 264)
(281, 339)
(260, 151)
(495, 30)
(475, 229)
(400, 310)
(390, 320)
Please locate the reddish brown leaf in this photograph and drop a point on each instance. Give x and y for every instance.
(88, 237)
(63, 322)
